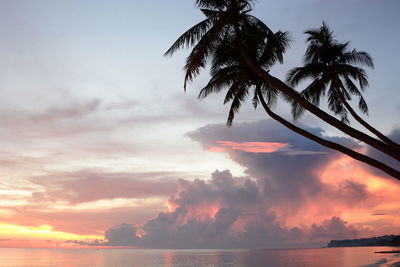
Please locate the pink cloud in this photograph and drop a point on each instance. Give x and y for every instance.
(253, 147)
(80, 187)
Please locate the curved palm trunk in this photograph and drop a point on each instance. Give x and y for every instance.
(278, 84)
(370, 128)
(358, 156)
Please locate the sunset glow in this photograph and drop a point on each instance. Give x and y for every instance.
(253, 147)
(102, 147)
(17, 235)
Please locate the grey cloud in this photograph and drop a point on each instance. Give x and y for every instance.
(165, 231)
(249, 212)
(286, 177)
(242, 219)
(121, 235)
(235, 199)
(289, 176)
(335, 228)
(222, 188)
(71, 111)
(72, 118)
(129, 104)
(263, 131)
(351, 192)
(395, 136)
(95, 242)
(84, 186)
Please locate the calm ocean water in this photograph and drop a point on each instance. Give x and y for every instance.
(326, 257)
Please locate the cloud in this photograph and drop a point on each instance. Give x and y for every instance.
(71, 111)
(292, 177)
(299, 187)
(91, 221)
(81, 243)
(224, 212)
(287, 177)
(121, 235)
(262, 131)
(84, 186)
(395, 136)
(334, 228)
(301, 193)
(254, 147)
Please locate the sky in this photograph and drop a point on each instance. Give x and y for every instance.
(100, 146)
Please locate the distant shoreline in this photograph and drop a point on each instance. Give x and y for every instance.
(388, 251)
(386, 240)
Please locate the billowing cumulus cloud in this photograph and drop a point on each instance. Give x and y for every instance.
(121, 235)
(334, 228)
(301, 193)
(288, 175)
(224, 212)
(304, 182)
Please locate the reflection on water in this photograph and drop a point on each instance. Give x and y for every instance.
(171, 258)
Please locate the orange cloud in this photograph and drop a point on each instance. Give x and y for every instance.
(353, 193)
(253, 147)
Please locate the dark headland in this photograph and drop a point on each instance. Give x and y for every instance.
(386, 240)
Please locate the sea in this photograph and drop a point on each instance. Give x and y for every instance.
(316, 257)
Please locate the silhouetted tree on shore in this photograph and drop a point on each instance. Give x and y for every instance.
(241, 49)
(329, 63)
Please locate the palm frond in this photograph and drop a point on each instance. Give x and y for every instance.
(223, 4)
(320, 35)
(237, 101)
(190, 37)
(255, 100)
(336, 105)
(223, 78)
(358, 57)
(312, 54)
(355, 73)
(223, 55)
(315, 91)
(262, 27)
(351, 87)
(209, 13)
(198, 57)
(274, 49)
(211, 4)
(297, 110)
(271, 95)
(246, 4)
(312, 70)
(362, 105)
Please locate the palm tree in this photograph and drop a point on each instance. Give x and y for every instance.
(228, 71)
(329, 63)
(230, 19)
(221, 18)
